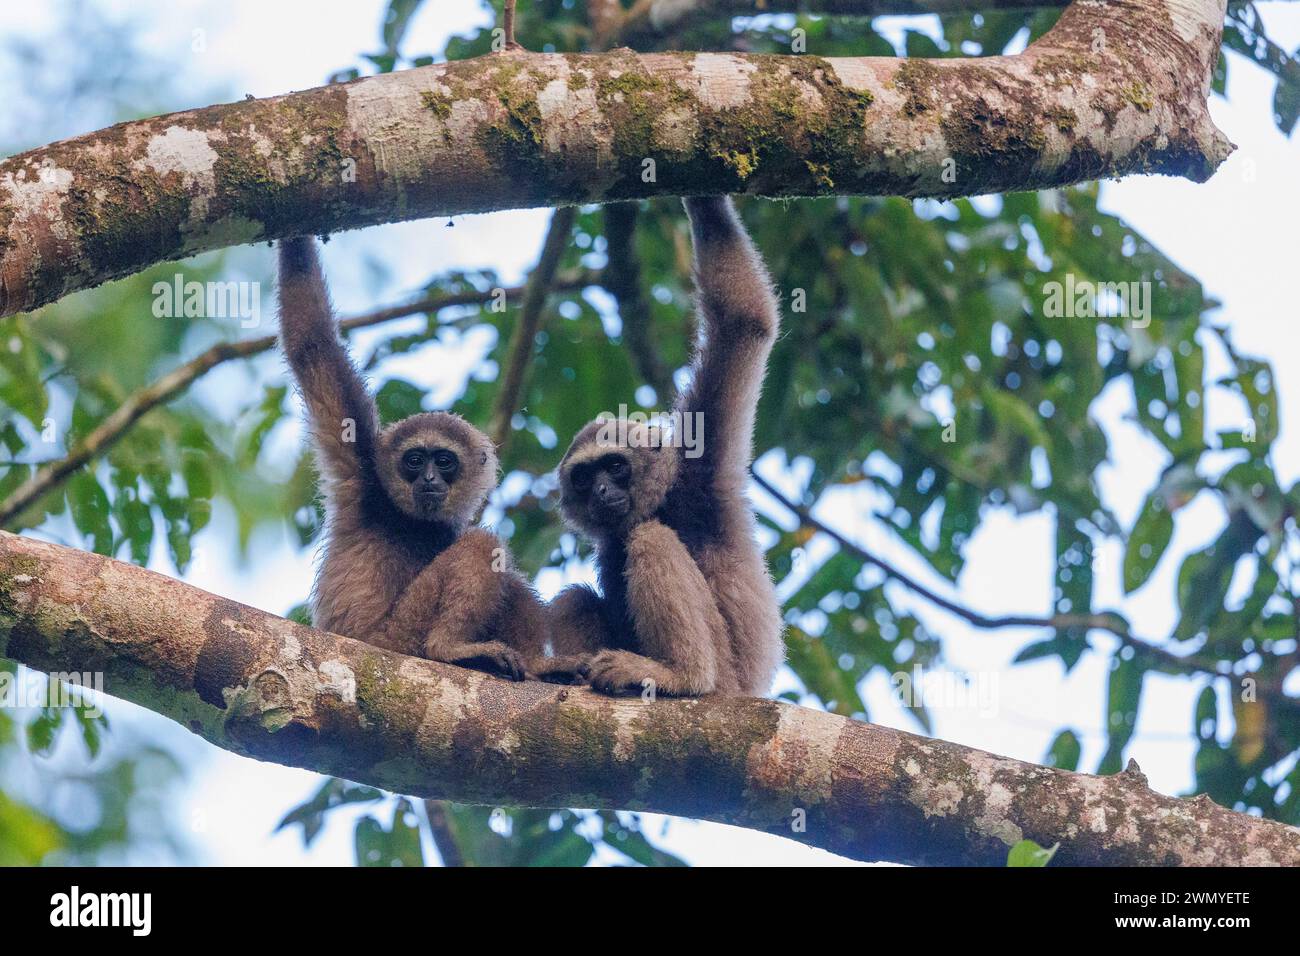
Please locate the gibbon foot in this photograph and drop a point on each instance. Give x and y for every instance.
(491, 656)
(622, 672)
(563, 669)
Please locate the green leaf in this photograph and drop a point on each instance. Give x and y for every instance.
(1147, 541)
(1029, 853)
(1065, 751)
(1207, 714)
(43, 731)
(396, 20)
(90, 509)
(29, 836)
(1205, 576)
(399, 845)
(1123, 696)
(921, 45)
(91, 728)
(1014, 413)
(311, 814)
(1286, 98)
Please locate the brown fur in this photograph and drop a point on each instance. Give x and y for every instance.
(687, 602)
(400, 570)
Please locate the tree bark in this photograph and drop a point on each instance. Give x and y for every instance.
(1115, 88)
(265, 687)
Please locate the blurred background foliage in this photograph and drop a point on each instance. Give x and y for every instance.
(916, 363)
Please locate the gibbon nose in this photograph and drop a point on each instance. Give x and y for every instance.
(433, 486)
(610, 496)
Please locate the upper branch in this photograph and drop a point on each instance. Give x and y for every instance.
(1114, 88)
(262, 686)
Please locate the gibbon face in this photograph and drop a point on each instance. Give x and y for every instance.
(436, 466)
(610, 482)
(605, 486)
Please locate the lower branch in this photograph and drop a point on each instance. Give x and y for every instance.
(262, 686)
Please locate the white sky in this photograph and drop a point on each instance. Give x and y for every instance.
(1236, 233)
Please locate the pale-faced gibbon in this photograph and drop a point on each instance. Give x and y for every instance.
(685, 598)
(403, 566)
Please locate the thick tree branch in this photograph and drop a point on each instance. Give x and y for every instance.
(1114, 88)
(268, 688)
(108, 432)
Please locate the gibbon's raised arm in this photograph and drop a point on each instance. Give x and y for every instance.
(687, 603)
(342, 415)
(739, 320)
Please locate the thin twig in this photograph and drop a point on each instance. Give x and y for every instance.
(508, 25)
(1109, 621)
(623, 282)
(444, 837)
(108, 432)
(524, 335)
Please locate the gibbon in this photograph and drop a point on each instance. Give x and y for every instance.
(686, 603)
(403, 568)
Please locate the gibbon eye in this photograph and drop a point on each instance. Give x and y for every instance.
(581, 479)
(413, 460)
(445, 461)
(620, 470)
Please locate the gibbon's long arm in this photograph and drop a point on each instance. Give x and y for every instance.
(738, 325)
(342, 415)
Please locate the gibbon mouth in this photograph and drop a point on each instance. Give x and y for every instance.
(612, 510)
(430, 499)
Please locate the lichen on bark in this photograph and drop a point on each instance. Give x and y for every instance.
(522, 129)
(268, 688)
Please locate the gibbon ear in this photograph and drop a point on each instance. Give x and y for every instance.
(483, 460)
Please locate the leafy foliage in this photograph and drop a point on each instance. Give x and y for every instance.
(477, 836)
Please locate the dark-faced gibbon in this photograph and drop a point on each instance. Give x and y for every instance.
(685, 601)
(403, 566)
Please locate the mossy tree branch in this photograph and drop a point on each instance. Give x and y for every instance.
(1113, 89)
(265, 687)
